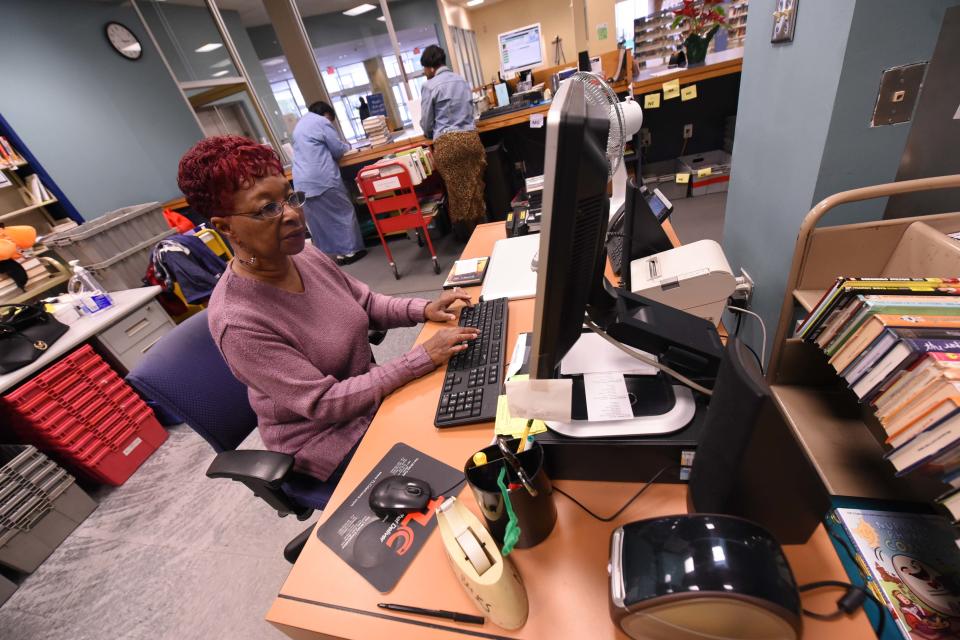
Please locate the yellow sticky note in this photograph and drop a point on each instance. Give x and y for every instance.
(704, 172)
(671, 89)
(507, 426)
(651, 101)
(683, 178)
(688, 93)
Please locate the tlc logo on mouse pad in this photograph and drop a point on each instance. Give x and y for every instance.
(381, 544)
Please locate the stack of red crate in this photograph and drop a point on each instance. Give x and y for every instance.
(83, 412)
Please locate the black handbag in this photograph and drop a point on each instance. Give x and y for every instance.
(26, 332)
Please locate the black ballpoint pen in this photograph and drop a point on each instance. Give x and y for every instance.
(434, 613)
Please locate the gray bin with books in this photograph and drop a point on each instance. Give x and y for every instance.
(127, 269)
(111, 234)
(40, 504)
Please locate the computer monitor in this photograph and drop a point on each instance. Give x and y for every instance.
(573, 224)
(572, 257)
(521, 49)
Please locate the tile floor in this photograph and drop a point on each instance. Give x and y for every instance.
(174, 555)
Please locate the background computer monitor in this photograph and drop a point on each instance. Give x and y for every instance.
(521, 49)
(573, 224)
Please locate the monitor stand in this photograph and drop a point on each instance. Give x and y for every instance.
(659, 408)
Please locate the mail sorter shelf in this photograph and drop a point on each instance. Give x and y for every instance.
(840, 436)
(841, 439)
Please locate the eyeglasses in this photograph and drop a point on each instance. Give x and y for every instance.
(273, 210)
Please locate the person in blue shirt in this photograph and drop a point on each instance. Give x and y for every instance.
(329, 212)
(447, 117)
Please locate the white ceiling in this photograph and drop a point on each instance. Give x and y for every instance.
(253, 14)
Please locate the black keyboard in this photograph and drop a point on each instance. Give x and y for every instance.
(474, 376)
(509, 108)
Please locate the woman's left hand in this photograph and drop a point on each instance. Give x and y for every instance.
(438, 310)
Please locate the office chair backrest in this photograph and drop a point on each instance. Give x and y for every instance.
(185, 375)
(738, 401)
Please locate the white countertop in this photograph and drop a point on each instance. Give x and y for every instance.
(124, 303)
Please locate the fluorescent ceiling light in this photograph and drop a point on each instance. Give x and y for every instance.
(382, 19)
(270, 63)
(222, 63)
(473, 3)
(360, 8)
(210, 46)
(131, 47)
(220, 73)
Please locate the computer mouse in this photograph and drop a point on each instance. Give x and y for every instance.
(395, 495)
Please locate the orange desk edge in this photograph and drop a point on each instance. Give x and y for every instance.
(565, 576)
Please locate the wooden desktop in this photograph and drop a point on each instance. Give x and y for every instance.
(565, 576)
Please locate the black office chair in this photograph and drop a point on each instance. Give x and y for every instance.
(185, 376)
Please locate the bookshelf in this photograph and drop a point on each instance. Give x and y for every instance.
(654, 38)
(840, 439)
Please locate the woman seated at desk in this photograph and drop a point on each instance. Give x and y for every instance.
(290, 323)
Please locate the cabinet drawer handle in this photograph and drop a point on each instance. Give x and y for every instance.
(140, 325)
(149, 346)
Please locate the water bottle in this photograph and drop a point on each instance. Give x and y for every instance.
(91, 297)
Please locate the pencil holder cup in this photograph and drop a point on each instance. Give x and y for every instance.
(536, 515)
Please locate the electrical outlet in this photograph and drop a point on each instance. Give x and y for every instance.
(645, 140)
(687, 131)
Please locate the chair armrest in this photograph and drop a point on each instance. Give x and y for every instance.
(267, 467)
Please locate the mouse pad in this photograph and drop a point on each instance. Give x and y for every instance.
(379, 550)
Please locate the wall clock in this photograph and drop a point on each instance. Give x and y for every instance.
(123, 41)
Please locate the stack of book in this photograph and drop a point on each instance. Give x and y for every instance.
(34, 192)
(8, 155)
(376, 129)
(36, 272)
(896, 344)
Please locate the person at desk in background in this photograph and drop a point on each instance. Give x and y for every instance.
(331, 218)
(290, 324)
(447, 117)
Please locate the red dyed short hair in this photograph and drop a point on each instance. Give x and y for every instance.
(216, 168)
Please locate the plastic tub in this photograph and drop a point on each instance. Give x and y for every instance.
(113, 233)
(126, 270)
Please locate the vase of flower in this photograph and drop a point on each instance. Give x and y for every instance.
(699, 21)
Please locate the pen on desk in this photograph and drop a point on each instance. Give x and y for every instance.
(433, 613)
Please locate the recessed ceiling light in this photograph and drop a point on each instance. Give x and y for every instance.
(220, 73)
(360, 8)
(473, 3)
(222, 63)
(270, 63)
(210, 46)
(382, 19)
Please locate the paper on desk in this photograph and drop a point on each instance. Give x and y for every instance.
(540, 399)
(513, 427)
(516, 360)
(592, 354)
(606, 395)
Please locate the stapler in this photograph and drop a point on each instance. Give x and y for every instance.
(491, 580)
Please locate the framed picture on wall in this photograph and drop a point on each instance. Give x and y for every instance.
(784, 21)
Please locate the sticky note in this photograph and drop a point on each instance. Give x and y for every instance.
(651, 101)
(507, 426)
(688, 93)
(683, 178)
(671, 89)
(536, 121)
(704, 172)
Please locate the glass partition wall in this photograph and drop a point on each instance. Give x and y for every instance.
(228, 61)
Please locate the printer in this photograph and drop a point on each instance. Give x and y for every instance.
(695, 278)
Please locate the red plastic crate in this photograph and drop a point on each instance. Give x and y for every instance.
(81, 409)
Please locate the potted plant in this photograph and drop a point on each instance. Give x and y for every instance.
(699, 20)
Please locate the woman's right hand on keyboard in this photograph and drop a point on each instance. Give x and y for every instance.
(448, 342)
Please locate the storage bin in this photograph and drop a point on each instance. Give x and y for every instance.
(40, 505)
(83, 412)
(126, 270)
(719, 179)
(113, 233)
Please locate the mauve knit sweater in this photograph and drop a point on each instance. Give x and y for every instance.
(305, 357)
